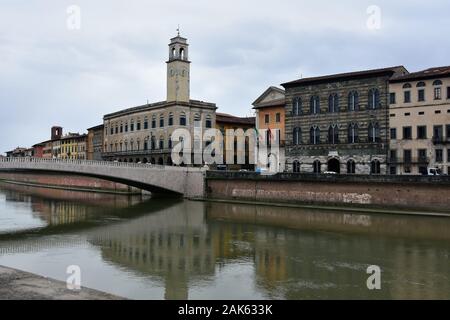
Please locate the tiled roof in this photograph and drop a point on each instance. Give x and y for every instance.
(228, 118)
(430, 73)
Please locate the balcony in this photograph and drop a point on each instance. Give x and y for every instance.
(409, 160)
(440, 140)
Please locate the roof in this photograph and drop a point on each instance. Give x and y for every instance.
(265, 93)
(347, 76)
(76, 136)
(430, 73)
(160, 105)
(100, 126)
(228, 118)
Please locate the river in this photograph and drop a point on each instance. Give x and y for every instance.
(143, 248)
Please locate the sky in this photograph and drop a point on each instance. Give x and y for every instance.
(68, 63)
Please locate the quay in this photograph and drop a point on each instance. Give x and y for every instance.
(20, 285)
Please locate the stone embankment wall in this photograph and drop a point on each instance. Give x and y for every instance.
(401, 192)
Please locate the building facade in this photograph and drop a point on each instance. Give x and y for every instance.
(270, 109)
(420, 122)
(144, 133)
(95, 142)
(73, 146)
(226, 122)
(339, 123)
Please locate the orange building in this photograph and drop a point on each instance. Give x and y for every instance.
(270, 110)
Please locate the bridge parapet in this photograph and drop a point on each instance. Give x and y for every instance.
(187, 181)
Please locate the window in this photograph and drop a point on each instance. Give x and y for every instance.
(182, 119)
(296, 106)
(407, 114)
(112, 130)
(392, 98)
(437, 111)
(278, 117)
(138, 126)
(353, 133)
(121, 128)
(394, 133)
(407, 86)
(353, 101)
(393, 155)
(421, 132)
(421, 113)
(448, 155)
(374, 132)
(374, 99)
(208, 122)
(437, 93)
(438, 133)
(161, 121)
(333, 103)
(407, 133)
(448, 92)
(420, 84)
(117, 130)
(447, 132)
(154, 122)
(266, 119)
(297, 136)
(171, 119)
(296, 166)
(407, 156)
(333, 134)
(351, 167)
(375, 167)
(407, 96)
(161, 143)
(132, 125)
(437, 83)
(314, 135)
(439, 155)
(170, 142)
(316, 166)
(422, 154)
(314, 107)
(126, 127)
(421, 95)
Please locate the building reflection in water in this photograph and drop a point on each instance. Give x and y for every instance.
(294, 253)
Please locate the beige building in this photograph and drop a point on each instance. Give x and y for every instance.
(144, 133)
(419, 115)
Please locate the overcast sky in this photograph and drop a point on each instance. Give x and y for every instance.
(54, 75)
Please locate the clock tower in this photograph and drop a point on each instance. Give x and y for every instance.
(178, 70)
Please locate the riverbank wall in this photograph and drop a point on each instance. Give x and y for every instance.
(66, 182)
(428, 193)
(20, 285)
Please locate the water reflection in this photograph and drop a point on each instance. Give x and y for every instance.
(217, 250)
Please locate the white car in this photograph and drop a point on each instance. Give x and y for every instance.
(330, 172)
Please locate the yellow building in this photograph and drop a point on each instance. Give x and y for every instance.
(73, 146)
(419, 116)
(270, 110)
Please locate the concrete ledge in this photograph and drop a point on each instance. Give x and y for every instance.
(20, 285)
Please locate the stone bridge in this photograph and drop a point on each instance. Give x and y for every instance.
(185, 181)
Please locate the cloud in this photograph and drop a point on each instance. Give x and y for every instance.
(50, 75)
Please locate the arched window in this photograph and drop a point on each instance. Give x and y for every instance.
(314, 135)
(154, 121)
(420, 84)
(182, 53)
(297, 136)
(374, 133)
(296, 166)
(353, 101)
(145, 123)
(314, 107)
(374, 99)
(437, 83)
(407, 86)
(351, 166)
(333, 103)
(132, 125)
(375, 167)
(333, 134)
(352, 133)
(197, 117)
(171, 119)
(182, 119)
(174, 53)
(161, 121)
(297, 106)
(316, 166)
(138, 124)
(208, 122)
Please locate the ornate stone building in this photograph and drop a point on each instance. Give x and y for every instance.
(95, 142)
(339, 122)
(144, 133)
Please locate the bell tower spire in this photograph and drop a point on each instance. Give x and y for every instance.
(178, 69)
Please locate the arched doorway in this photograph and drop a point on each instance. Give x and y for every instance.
(334, 165)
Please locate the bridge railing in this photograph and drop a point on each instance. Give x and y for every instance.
(82, 162)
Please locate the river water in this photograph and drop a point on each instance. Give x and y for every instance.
(144, 248)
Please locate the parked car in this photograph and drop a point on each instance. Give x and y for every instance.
(434, 172)
(330, 172)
